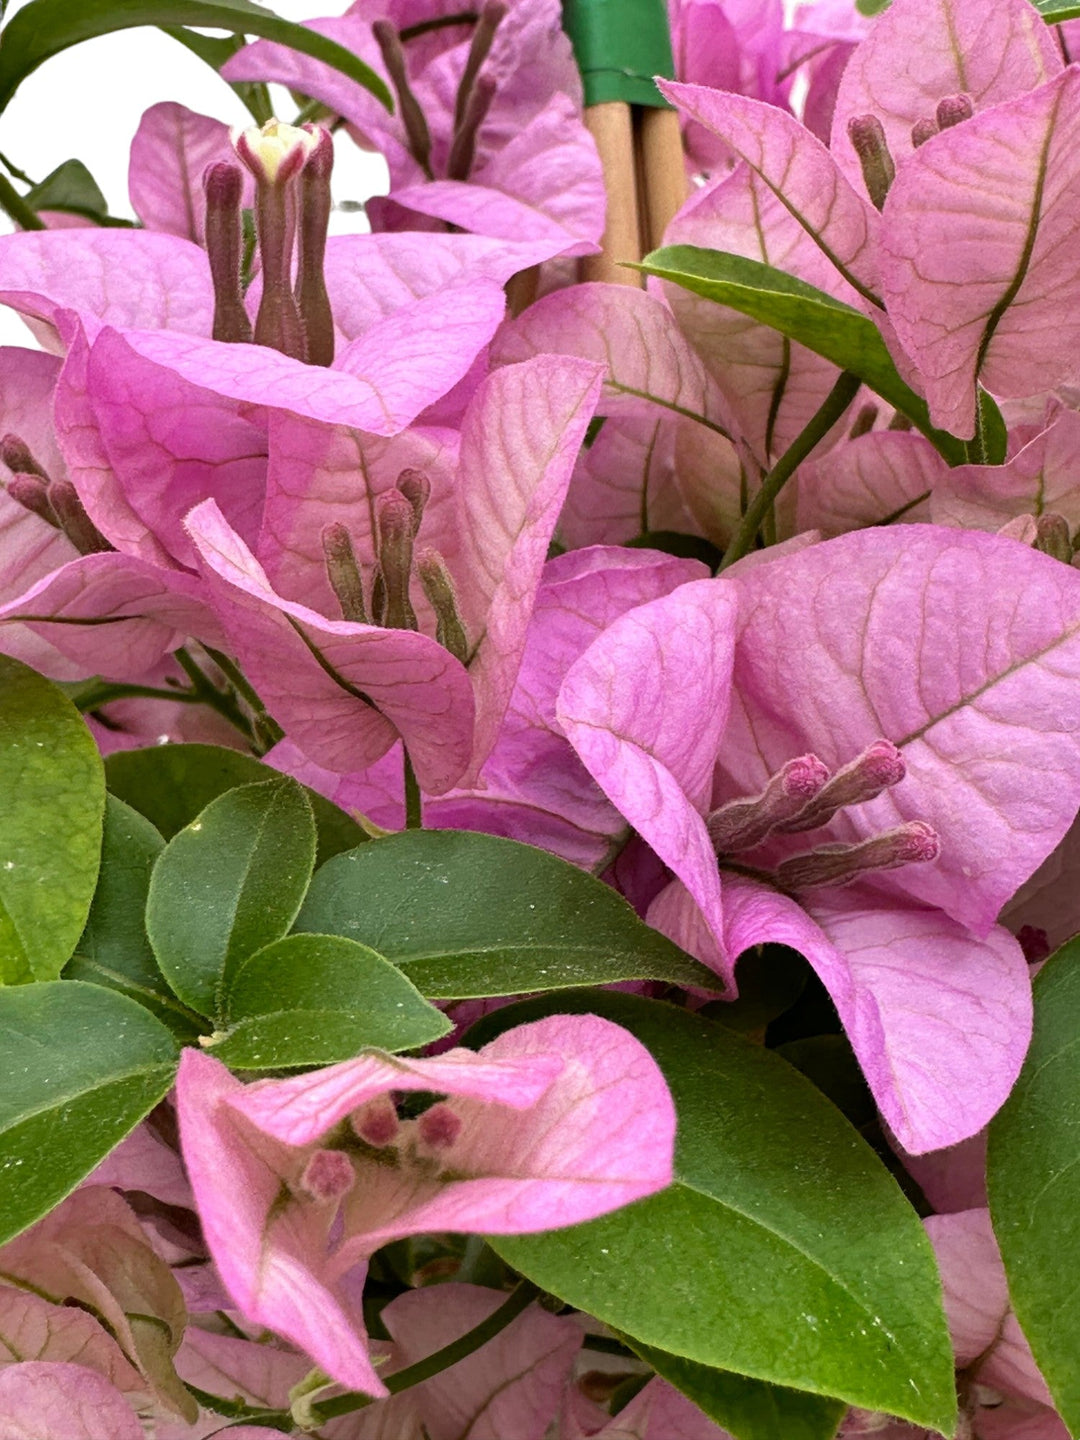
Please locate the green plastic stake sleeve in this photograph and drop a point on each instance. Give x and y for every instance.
(620, 45)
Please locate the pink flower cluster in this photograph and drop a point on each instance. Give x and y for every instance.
(429, 529)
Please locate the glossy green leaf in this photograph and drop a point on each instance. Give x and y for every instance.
(114, 950)
(317, 999)
(229, 883)
(748, 1409)
(1033, 1179)
(170, 784)
(70, 187)
(79, 1067)
(800, 311)
(53, 790)
(1056, 11)
(46, 27)
(784, 1251)
(468, 915)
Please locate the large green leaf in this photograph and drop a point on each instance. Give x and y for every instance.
(52, 794)
(749, 1409)
(784, 1251)
(114, 950)
(170, 784)
(1033, 1177)
(79, 1067)
(468, 915)
(317, 999)
(227, 885)
(45, 27)
(800, 311)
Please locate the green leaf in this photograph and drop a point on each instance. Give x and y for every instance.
(1033, 1178)
(53, 790)
(227, 885)
(784, 1251)
(215, 51)
(469, 915)
(1056, 11)
(45, 27)
(317, 999)
(170, 784)
(800, 311)
(748, 1409)
(70, 187)
(79, 1067)
(992, 434)
(874, 7)
(114, 950)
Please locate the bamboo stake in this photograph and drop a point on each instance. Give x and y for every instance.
(612, 127)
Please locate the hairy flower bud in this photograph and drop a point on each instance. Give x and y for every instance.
(914, 843)
(32, 493)
(328, 1175)
(491, 17)
(412, 116)
(416, 487)
(74, 521)
(376, 1123)
(1052, 536)
(953, 110)
(312, 297)
(742, 824)
(394, 544)
(343, 572)
(923, 130)
(16, 455)
(223, 184)
(880, 766)
(439, 589)
(275, 155)
(868, 138)
(463, 148)
(439, 1127)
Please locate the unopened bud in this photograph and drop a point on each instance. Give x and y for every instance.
(1021, 528)
(74, 521)
(16, 455)
(223, 184)
(923, 130)
(953, 110)
(880, 766)
(394, 526)
(314, 223)
(439, 1127)
(275, 152)
(412, 115)
(1034, 942)
(864, 422)
(742, 824)
(900, 421)
(439, 589)
(343, 572)
(868, 138)
(376, 1123)
(32, 493)
(416, 487)
(914, 843)
(491, 17)
(1052, 536)
(328, 1175)
(463, 148)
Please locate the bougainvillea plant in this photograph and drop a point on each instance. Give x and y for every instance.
(539, 861)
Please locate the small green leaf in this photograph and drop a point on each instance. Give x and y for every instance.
(468, 915)
(1033, 1178)
(114, 950)
(784, 1251)
(874, 7)
(170, 784)
(45, 27)
(748, 1409)
(992, 434)
(53, 789)
(317, 999)
(79, 1067)
(72, 188)
(800, 311)
(1054, 12)
(227, 885)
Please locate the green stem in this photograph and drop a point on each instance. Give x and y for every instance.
(104, 694)
(518, 1300)
(819, 425)
(13, 169)
(24, 215)
(225, 705)
(265, 727)
(414, 805)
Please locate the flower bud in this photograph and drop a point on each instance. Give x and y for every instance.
(74, 521)
(394, 543)
(314, 222)
(880, 766)
(32, 493)
(923, 130)
(914, 843)
(953, 110)
(328, 1175)
(442, 597)
(412, 116)
(223, 184)
(376, 1123)
(275, 152)
(416, 487)
(16, 455)
(343, 572)
(742, 824)
(463, 148)
(868, 138)
(491, 17)
(1052, 536)
(439, 1127)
